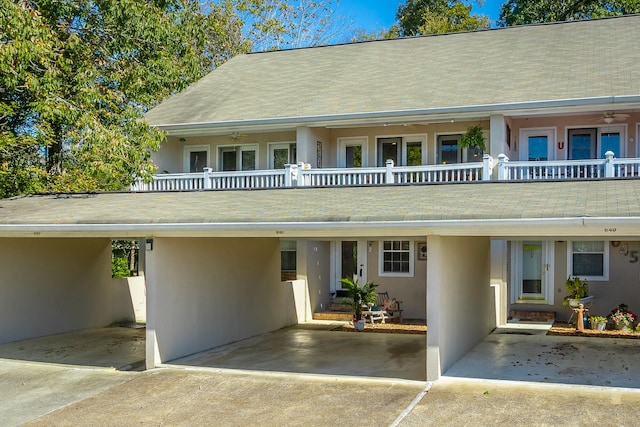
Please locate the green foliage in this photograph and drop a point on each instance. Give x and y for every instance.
(124, 258)
(286, 24)
(577, 287)
(119, 267)
(77, 76)
(473, 137)
(420, 17)
(519, 12)
(360, 295)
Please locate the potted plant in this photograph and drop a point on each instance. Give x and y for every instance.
(598, 323)
(578, 292)
(621, 317)
(473, 137)
(359, 296)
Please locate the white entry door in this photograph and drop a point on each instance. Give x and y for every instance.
(352, 152)
(537, 145)
(532, 272)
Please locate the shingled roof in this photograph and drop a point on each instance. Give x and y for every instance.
(527, 206)
(523, 64)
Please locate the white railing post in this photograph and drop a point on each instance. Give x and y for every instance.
(388, 176)
(207, 181)
(299, 174)
(608, 164)
(487, 167)
(290, 175)
(502, 167)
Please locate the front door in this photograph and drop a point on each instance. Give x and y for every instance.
(351, 261)
(532, 272)
(537, 145)
(352, 152)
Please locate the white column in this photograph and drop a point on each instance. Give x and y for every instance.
(152, 352)
(496, 135)
(304, 138)
(434, 297)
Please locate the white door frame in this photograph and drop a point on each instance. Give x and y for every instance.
(547, 273)
(343, 143)
(525, 133)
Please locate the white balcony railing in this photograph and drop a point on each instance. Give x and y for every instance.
(301, 175)
(609, 167)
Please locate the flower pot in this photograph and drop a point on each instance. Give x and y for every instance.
(621, 326)
(598, 326)
(359, 325)
(574, 303)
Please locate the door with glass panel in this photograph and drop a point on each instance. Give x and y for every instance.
(281, 154)
(582, 144)
(352, 256)
(238, 158)
(389, 149)
(537, 145)
(532, 271)
(352, 152)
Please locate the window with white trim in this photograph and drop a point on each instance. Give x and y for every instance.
(588, 259)
(396, 258)
(238, 158)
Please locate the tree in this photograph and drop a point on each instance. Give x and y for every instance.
(420, 17)
(286, 24)
(76, 77)
(519, 12)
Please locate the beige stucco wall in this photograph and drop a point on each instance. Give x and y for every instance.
(206, 292)
(50, 286)
(170, 156)
(412, 291)
(431, 132)
(622, 286)
(314, 266)
(563, 123)
(460, 303)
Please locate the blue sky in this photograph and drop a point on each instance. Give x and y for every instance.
(377, 14)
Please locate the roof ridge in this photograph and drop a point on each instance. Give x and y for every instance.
(458, 33)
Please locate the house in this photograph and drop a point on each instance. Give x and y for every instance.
(284, 171)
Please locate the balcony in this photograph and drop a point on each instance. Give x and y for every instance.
(301, 175)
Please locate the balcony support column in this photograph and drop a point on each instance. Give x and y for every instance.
(497, 138)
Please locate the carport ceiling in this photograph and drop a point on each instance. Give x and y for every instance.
(608, 208)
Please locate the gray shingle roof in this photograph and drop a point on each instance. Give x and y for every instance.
(526, 200)
(560, 61)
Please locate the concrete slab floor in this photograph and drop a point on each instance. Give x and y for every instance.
(307, 350)
(30, 390)
(517, 354)
(113, 347)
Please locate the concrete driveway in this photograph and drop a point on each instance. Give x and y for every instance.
(312, 349)
(43, 394)
(519, 354)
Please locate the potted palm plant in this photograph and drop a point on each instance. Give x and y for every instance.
(359, 296)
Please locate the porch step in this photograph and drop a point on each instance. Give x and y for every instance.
(532, 316)
(333, 315)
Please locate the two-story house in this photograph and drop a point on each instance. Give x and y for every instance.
(310, 165)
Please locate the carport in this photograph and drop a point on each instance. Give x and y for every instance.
(213, 256)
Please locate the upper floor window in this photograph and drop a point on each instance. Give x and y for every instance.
(588, 260)
(282, 154)
(396, 258)
(196, 158)
(238, 158)
(593, 143)
(449, 151)
(404, 151)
